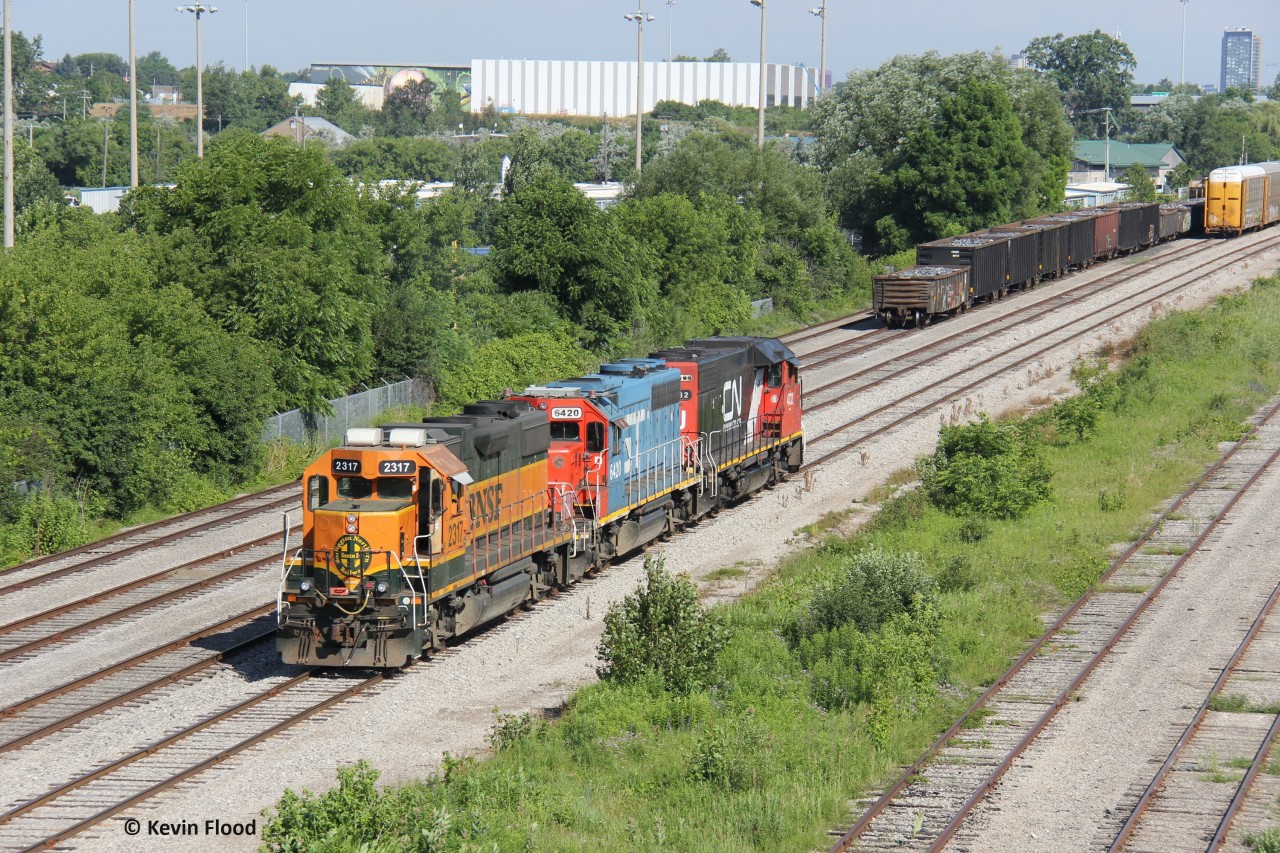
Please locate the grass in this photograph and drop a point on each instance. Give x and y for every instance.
(726, 573)
(756, 762)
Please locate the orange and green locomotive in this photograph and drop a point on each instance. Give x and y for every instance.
(414, 533)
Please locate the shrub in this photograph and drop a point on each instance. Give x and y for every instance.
(986, 469)
(870, 588)
(660, 632)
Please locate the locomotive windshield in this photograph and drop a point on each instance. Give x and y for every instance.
(564, 430)
(387, 488)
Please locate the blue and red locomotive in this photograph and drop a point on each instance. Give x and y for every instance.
(414, 533)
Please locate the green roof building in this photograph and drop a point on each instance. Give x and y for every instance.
(1091, 158)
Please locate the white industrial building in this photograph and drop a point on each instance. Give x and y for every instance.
(584, 88)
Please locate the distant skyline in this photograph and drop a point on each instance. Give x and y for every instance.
(292, 35)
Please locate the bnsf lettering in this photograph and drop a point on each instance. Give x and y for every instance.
(565, 413)
(486, 503)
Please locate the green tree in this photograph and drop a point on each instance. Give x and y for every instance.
(986, 469)
(960, 174)
(549, 237)
(155, 69)
(407, 110)
(33, 183)
(862, 125)
(277, 244)
(400, 159)
(1091, 70)
(337, 101)
(719, 55)
(1141, 186)
(29, 88)
(702, 257)
(661, 633)
(254, 100)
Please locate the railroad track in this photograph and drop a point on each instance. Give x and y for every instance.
(131, 542)
(928, 806)
(953, 380)
(1053, 299)
(111, 785)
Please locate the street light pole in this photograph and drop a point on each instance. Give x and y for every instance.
(1182, 77)
(199, 9)
(8, 129)
(760, 110)
(822, 62)
(671, 19)
(133, 105)
(639, 17)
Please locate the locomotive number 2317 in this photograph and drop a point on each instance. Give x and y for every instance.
(397, 466)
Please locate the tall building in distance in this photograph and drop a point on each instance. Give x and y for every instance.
(1241, 60)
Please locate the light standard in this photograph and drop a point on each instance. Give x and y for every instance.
(822, 62)
(199, 9)
(133, 106)
(671, 19)
(1182, 77)
(8, 130)
(760, 111)
(639, 17)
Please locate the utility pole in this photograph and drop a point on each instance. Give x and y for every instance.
(639, 17)
(199, 9)
(1182, 77)
(106, 126)
(8, 129)
(133, 106)
(760, 111)
(822, 60)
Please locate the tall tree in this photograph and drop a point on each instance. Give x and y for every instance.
(553, 239)
(407, 110)
(961, 173)
(276, 243)
(863, 124)
(1092, 71)
(1141, 186)
(337, 101)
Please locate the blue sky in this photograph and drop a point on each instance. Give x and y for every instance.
(291, 34)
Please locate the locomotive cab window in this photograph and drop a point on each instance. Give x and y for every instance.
(395, 488)
(564, 431)
(775, 376)
(595, 437)
(317, 492)
(354, 488)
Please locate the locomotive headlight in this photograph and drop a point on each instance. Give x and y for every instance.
(404, 601)
(304, 587)
(381, 588)
(351, 528)
(351, 518)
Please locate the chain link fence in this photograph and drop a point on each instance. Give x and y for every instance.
(360, 409)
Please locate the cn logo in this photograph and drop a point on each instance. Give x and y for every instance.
(731, 399)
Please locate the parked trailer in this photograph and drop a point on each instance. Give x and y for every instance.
(1050, 240)
(987, 257)
(1139, 224)
(1079, 238)
(918, 293)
